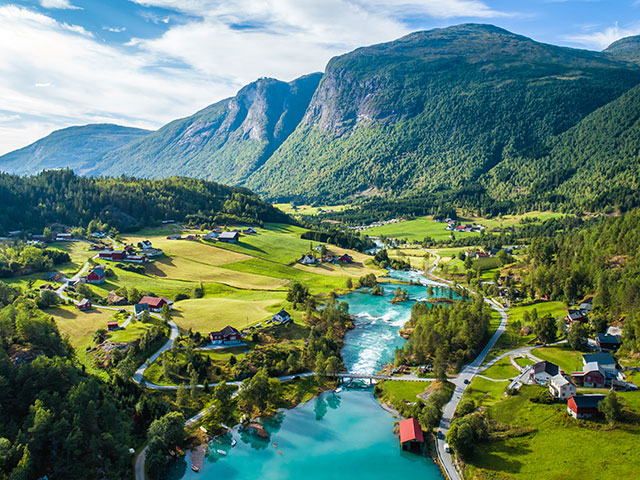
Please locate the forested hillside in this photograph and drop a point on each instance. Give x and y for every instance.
(78, 148)
(31, 203)
(437, 110)
(471, 115)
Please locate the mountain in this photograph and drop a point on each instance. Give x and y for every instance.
(226, 141)
(78, 148)
(470, 111)
(627, 49)
(437, 110)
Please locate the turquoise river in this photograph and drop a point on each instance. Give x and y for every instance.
(336, 435)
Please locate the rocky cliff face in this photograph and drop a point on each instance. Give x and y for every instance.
(627, 49)
(226, 141)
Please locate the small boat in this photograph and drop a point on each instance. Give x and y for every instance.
(233, 442)
(221, 452)
(338, 390)
(194, 468)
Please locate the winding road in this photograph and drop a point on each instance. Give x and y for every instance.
(461, 381)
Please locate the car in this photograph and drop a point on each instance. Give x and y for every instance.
(440, 435)
(447, 448)
(466, 381)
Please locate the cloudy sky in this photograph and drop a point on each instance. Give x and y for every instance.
(145, 62)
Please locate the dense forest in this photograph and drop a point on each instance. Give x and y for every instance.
(55, 419)
(31, 203)
(444, 334)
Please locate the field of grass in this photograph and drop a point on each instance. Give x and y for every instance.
(307, 209)
(161, 287)
(501, 370)
(523, 361)
(397, 392)
(80, 326)
(79, 253)
(559, 448)
(562, 355)
(511, 220)
(485, 392)
(214, 313)
(417, 230)
(556, 309)
(316, 282)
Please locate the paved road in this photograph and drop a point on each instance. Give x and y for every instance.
(461, 381)
(139, 374)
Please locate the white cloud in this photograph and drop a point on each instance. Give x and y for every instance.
(201, 58)
(58, 4)
(603, 38)
(114, 29)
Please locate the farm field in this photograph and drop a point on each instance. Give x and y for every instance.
(79, 253)
(567, 359)
(501, 370)
(417, 230)
(288, 208)
(214, 313)
(80, 326)
(485, 392)
(527, 457)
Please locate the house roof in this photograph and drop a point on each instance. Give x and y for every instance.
(587, 401)
(283, 313)
(83, 302)
(410, 430)
(140, 307)
(226, 331)
(601, 358)
(604, 338)
(548, 367)
(111, 323)
(560, 380)
(229, 235)
(154, 302)
(98, 271)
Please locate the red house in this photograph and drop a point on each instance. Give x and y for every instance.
(112, 325)
(112, 255)
(97, 275)
(155, 303)
(228, 335)
(576, 316)
(589, 378)
(84, 304)
(346, 258)
(584, 406)
(411, 437)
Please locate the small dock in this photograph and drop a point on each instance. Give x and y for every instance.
(197, 456)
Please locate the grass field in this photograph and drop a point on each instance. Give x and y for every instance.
(523, 361)
(417, 230)
(485, 392)
(511, 220)
(556, 309)
(567, 359)
(79, 253)
(307, 209)
(501, 370)
(80, 326)
(161, 287)
(397, 392)
(214, 313)
(559, 448)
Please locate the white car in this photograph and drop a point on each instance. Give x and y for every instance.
(447, 448)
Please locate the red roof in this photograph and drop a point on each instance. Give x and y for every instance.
(410, 431)
(154, 302)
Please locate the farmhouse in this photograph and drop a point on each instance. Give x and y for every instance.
(112, 325)
(411, 436)
(282, 317)
(584, 406)
(112, 255)
(249, 231)
(586, 305)
(84, 304)
(211, 236)
(561, 388)
(145, 245)
(589, 377)
(229, 237)
(346, 258)
(576, 316)
(227, 336)
(307, 259)
(53, 276)
(155, 304)
(542, 372)
(96, 276)
(606, 364)
(134, 258)
(607, 343)
(64, 237)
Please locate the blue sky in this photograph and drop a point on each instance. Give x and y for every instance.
(145, 62)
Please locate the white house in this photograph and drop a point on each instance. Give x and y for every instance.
(541, 373)
(308, 260)
(282, 317)
(561, 388)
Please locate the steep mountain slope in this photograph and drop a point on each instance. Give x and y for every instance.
(436, 110)
(226, 141)
(78, 148)
(627, 49)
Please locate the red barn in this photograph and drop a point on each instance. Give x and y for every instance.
(84, 304)
(584, 406)
(228, 335)
(411, 437)
(346, 258)
(112, 325)
(155, 303)
(112, 255)
(97, 275)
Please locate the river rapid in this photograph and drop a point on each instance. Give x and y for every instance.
(337, 435)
